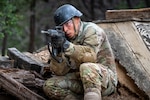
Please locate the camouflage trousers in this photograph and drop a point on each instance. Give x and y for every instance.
(91, 76)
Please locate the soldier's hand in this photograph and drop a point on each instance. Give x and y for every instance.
(58, 40)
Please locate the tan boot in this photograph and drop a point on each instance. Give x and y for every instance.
(92, 96)
(73, 97)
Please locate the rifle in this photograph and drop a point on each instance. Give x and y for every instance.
(55, 36)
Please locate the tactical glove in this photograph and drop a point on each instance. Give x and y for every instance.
(58, 40)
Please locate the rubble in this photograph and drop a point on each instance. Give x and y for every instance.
(24, 83)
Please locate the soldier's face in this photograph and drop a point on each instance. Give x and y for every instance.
(68, 28)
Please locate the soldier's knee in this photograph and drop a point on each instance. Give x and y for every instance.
(47, 87)
(84, 66)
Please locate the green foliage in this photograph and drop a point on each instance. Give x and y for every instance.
(123, 4)
(141, 4)
(8, 17)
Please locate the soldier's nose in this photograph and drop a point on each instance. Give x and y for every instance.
(65, 29)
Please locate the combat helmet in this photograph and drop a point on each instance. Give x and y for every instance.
(65, 13)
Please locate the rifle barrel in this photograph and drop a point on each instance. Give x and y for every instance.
(44, 32)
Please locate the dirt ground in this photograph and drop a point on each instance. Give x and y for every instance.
(122, 93)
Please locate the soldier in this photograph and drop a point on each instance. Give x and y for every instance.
(88, 66)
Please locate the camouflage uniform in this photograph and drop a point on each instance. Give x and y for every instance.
(88, 66)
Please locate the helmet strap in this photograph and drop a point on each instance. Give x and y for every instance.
(75, 30)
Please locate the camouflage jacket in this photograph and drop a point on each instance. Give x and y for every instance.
(90, 45)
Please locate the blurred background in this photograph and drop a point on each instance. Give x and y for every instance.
(21, 21)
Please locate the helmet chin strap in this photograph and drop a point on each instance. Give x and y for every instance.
(75, 29)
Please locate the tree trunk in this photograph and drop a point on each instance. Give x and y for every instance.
(92, 9)
(129, 2)
(9, 82)
(4, 44)
(32, 26)
(147, 3)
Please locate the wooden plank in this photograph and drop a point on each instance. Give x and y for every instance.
(111, 27)
(136, 43)
(5, 62)
(128, 82)
(133, 40)
(123, 78)
(44, 57)
(125, 55)
(23, 61)
(27, 78)
(143, 13)
(17, 89)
